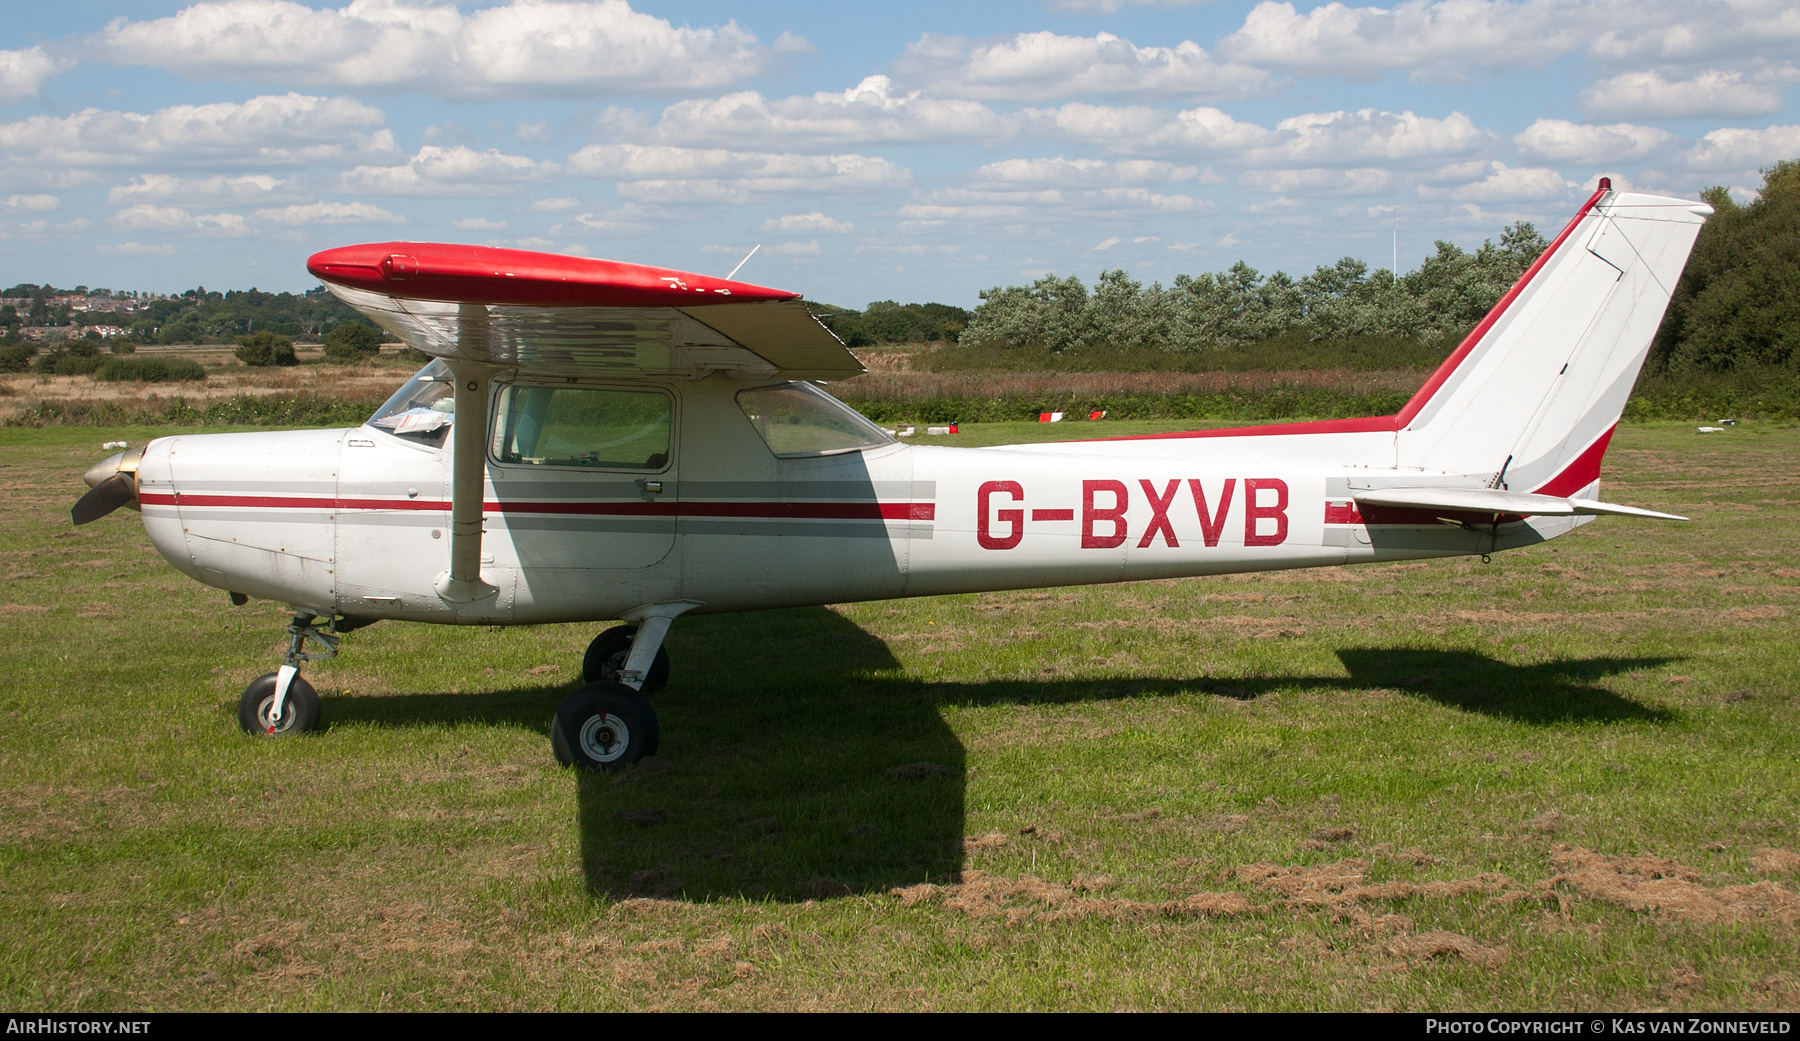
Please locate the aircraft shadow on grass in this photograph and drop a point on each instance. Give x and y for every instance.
(798, 761)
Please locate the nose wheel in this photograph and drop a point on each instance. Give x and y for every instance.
(280, 703)
(298, 713)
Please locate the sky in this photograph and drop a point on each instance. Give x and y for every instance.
(920, 151)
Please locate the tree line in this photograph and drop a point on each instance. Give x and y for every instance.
(198, 315)
(1737, 305)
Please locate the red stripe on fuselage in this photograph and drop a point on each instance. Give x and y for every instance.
(774, 510)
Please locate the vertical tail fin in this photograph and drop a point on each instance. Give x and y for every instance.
(1532, 395)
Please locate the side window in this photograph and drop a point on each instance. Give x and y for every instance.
(583, 427)
(797, 419)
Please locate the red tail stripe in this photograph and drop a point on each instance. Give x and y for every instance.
(1583, 471)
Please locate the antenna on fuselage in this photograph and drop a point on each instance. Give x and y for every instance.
(744, 261)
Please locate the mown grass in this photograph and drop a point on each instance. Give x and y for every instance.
(1093, 755)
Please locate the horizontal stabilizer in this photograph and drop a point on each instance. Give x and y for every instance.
(1495, 500)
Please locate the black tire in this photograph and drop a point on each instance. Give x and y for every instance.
(299, 712)
(607, 654)
(604, 726)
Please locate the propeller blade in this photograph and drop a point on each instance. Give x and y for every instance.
(105, 497)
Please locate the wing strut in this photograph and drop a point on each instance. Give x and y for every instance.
(463, 584)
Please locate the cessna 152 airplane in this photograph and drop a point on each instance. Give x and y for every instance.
(595, 440)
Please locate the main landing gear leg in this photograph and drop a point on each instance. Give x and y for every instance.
(280, 703)
(607, 723)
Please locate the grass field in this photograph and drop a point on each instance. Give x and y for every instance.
(1565, 779)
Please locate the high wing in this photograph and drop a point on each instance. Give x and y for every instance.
(558, 315)
(485, 310)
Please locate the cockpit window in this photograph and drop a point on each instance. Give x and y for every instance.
(798, 419)
(423, 409)
(587, 427)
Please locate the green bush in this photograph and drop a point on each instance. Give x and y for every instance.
(17, 358)
(151, 370)
(124, 347)
(264, 349)
(79, 358)
(302, 410)
(1234, 309)
(351, 342)
(1738, 302)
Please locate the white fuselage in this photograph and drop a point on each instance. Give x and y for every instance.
(356, 522)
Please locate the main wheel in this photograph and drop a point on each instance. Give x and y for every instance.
(607, 654)
(299, 710)
(604, 726)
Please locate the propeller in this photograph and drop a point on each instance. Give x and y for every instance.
(112, 483)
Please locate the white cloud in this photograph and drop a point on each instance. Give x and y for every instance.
(267, 131)
(1647, 95)
(564, 204)
(149, 217)
(1315, 138)
(1106, 244)
(1506, 184)
(1560, 141)
(217, 189)
(478, 224)
(1442, 39)
(796, 249)
(869, 111)
(1035, 66)
(630, 219)
(1739, 149)
(1042, 205)
(23, 73)
(328, 213)
(136, 249)
(1316, 181)
(1364, 135)
(527, 48)
(1673, 31)
(803, 223)
(1141, 130)
(697, 175)
(456, 171)
(32, 203)
(1428, 38)
(144, 215)
(1082, 173)
(1115, 6)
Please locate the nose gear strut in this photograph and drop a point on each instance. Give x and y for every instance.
(280, 702)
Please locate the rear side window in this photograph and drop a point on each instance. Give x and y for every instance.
(798, 419)
(583, 427)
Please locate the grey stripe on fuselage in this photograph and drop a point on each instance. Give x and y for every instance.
(871, 528)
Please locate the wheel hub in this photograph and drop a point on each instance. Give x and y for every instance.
(605, 738)
(264, 709)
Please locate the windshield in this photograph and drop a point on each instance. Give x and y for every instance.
(423, 409)
(799, 419)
